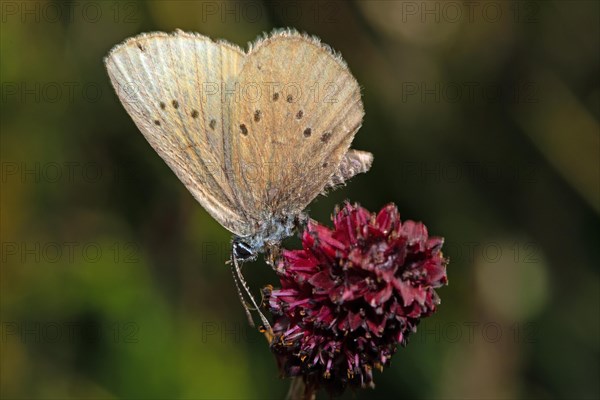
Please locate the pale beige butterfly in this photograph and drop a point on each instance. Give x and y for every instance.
(255, 136)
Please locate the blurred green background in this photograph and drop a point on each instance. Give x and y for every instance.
(483, 119)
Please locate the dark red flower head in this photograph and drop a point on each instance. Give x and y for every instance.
(352, 294)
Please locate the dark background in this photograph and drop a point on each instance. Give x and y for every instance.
(483, 119)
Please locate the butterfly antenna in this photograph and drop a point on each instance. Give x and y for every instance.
(238, 272)
(241, 296)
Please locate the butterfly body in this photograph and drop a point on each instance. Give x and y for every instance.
(269, 232)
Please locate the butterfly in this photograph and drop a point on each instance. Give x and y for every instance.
(254, 135)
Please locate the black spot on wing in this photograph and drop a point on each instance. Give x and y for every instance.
(325, 137)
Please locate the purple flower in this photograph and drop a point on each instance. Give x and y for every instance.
(352, 294)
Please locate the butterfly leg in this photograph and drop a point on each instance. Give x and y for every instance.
(238, 274)
(272, 253)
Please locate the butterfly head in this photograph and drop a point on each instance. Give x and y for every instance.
(243, 251)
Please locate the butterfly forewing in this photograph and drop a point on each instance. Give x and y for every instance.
(298, 109)
(172, 86)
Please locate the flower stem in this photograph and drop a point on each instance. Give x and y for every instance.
(300, 391)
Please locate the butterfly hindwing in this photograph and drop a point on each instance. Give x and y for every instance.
(298, 110)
